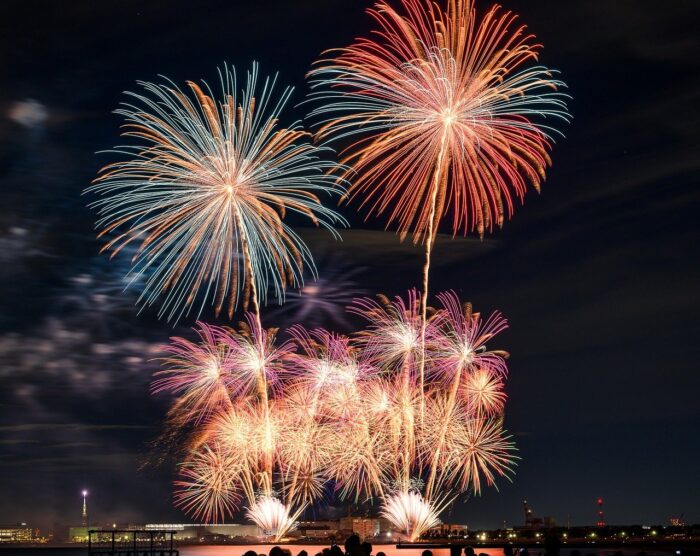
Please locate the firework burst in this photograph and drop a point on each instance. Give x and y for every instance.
(445, 114)
(449, 111)
(272, 516)
(197, 372)
(282, 425)
(206, 489)
(411, 513)
(204, 192)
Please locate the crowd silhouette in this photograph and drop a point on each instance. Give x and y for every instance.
(354, 546)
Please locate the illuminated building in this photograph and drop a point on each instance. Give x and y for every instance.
(323, 529)
(449, 530)
(78, 534)
(188, 531)
(365, 527)
(16, 533)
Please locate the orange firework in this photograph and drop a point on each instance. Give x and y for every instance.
(449, 112)
(282, 425)
(447, 115)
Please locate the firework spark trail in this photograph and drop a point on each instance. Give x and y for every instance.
(207, 487)
(445, 114)
(337, 374)
(325, 410)
(204, 191)
(272, 516)
(462, 398)
(198, 373)
(411, 513)
(392, 342)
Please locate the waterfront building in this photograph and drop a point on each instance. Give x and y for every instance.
(365, 527)
(322, 529)
(190, 531)
(78, 534)
(20, 532)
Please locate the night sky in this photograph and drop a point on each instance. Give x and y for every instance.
(598, 275)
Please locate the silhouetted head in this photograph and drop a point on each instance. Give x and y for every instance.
(276, 551)
(352, 545)
(468, 551)
(427, 553)
(366, 548)
(303, 553)
(250, 553)
(381, 554)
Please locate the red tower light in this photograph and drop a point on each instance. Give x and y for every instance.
(601, 517)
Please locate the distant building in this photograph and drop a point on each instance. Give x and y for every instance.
(365, 527)
(449, 530)
(233, 530)
(78, 534)
(16, 533)
(188, 531)
(322, 529)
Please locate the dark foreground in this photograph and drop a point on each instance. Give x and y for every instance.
(678, 548)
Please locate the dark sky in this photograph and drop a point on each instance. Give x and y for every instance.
(598, 275)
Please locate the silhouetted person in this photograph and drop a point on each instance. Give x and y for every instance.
(507, 550)
(455, 550)
(276, 551)
(468, 551)
(335, 551)
(366, 548)
(303, 553)
(352, 545)
(427, 553)
(250, 553)
(381, 554)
